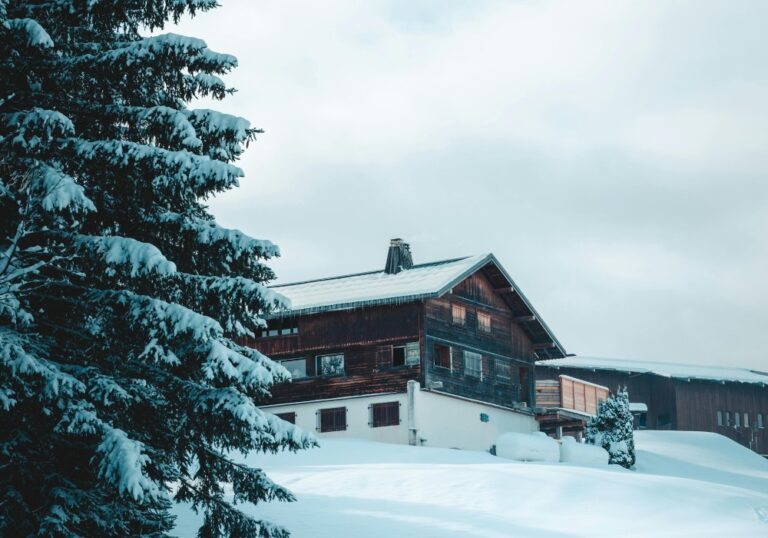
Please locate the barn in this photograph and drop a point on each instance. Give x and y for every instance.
(668, 396)
(436, 354)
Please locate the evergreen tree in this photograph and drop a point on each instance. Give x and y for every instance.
(613, 428)
(122, 383)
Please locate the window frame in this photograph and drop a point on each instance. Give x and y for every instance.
(334, 423)
(737, 420)
(459, 321)
(437, 354)
(720, 419)
(319, 361)
(759, 421)
(477, 359)
(390, 418)
(483, 327)
(288, 416)
(295, 359)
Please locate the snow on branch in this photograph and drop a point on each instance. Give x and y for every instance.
(192, 51)
(178, 168)
(139, 257)
(122, 464)
(33, 127)
(166, 319)
(36, 35)
(17, 362)
(226, 365)
(59, 191)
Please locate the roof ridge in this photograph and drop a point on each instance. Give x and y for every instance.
(324, 279)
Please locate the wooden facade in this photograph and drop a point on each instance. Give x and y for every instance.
(486, 354)
(687, 404)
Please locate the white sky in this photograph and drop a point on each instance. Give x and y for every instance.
(612, 155)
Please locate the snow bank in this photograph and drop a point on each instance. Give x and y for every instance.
(572, 451)
(350, 487)
(527, 447)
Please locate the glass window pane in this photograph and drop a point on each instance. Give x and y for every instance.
(296, 367)
(330, 364)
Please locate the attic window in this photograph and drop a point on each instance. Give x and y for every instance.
(458, 314)
(483, 322)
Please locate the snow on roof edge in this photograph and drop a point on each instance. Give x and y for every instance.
(670, 370)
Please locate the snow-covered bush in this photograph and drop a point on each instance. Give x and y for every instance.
(123, 384)
(612, 429)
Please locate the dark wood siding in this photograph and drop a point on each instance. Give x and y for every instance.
(686, 405)
(699, 401)
(365, 337)
(656, 392)
(506, 351)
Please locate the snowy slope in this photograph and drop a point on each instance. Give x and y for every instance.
(686, 484)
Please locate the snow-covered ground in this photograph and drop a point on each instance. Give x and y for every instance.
(686, 484)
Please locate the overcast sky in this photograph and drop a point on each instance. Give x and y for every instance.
(611, 154)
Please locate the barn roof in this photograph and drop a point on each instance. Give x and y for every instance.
(663, 369)
(421, 281)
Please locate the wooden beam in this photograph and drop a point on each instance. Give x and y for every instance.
(508, 289)
(545, 345)
(521, 319)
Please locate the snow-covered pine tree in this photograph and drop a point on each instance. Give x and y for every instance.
(122, 383)
(612, 429)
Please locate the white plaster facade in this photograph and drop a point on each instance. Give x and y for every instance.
(436, 419)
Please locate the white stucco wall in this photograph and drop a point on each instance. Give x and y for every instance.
(451, 422)
(440, 420)
(357, 417)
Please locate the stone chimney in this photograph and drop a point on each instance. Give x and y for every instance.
(399, 257)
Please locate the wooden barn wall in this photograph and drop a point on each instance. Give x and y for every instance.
(656, 392)
(361, 335)
(506, 342)
(699, 401)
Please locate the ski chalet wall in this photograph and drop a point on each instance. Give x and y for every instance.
(460, 328)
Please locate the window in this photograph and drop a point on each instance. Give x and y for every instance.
(727, 418)
(398, 356)
(288, 417)
(719, 418)
(503, 371)
(458, 314)
(385, 414)
(473, 364)
(443, 356)
(333, 419)
(412, 354)
(296, 367)
(278, 327)
(330, 364)
(483, 322)
(760, 421)
(737, 420)
(746, 419)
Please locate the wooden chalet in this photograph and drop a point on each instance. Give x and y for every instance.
(438, 353)
(668, 396)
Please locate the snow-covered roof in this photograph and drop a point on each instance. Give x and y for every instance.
(376, 287)
(419, 282)
(663, 369)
